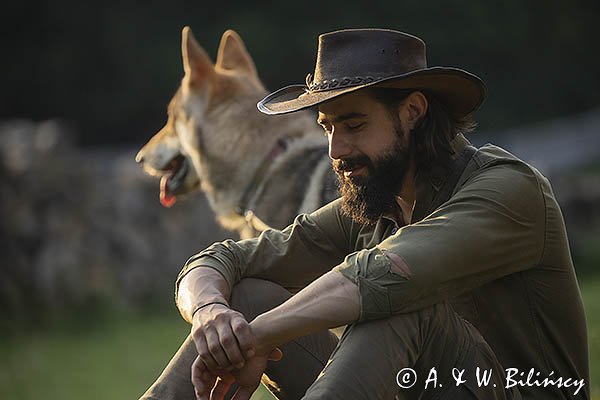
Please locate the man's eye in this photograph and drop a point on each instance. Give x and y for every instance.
(355, 127)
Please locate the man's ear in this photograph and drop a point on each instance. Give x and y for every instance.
(412, 109)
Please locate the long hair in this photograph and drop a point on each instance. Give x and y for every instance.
(433, 133)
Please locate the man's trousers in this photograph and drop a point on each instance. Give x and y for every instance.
(372, 360)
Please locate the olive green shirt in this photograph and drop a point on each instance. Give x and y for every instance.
(497, 250)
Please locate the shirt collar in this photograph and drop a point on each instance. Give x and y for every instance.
(427, 184)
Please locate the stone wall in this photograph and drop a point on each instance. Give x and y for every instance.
(80, 226)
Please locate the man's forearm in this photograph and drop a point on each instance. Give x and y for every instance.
(201, 286)
(328, 302)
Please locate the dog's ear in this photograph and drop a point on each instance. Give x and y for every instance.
(233, 55)
(197, 64)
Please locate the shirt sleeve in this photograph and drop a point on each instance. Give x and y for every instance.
(492, 226)
(293, 257)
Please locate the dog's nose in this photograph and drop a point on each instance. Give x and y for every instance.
(139, 157)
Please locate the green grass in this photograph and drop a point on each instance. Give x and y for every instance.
(113, 359)
(117, 357)
(591, 297)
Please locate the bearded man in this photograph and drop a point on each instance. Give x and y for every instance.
(443, 260)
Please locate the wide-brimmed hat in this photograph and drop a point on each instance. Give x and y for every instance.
(352, 59)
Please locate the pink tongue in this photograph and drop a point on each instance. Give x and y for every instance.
(166, 199)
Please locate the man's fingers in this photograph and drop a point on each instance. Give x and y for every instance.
(202, 379)
(224, 341)
(203, 351)
(231, 347)
(197, 370)
(215, 350)
(223, 384)
(244, 336)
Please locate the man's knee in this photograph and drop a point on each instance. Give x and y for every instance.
(434, 336)
(253, 297)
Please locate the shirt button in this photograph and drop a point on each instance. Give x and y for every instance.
(394, 230)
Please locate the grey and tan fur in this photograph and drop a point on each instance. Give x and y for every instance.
(217, 141)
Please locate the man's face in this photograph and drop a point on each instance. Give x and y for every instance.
(370, 152)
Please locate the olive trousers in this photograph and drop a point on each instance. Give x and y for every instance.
(432, 353)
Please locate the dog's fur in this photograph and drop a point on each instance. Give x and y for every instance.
(216, 140)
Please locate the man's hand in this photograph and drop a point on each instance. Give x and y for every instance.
(223, 338)
(216, 385)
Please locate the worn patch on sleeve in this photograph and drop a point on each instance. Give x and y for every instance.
(371, 270)
(398, 265)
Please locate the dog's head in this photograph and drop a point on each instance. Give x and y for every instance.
(178, 152)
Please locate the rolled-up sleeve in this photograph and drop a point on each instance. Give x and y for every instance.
(293, 257)
(492, 226)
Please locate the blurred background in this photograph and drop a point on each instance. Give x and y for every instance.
(89, 256)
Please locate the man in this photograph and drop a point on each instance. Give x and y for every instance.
(443, 260)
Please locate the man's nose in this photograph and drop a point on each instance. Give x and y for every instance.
(338, 146)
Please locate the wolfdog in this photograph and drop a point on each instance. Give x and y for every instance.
(256, 171)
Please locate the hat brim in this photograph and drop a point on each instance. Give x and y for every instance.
(461, 91)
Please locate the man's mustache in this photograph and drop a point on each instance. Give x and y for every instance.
(348, 164)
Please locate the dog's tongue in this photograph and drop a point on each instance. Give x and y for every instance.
(166, 199)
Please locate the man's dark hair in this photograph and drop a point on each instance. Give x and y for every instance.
(433, 133)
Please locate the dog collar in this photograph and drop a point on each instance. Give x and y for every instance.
(279, 148)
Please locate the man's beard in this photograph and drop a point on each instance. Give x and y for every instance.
(366, 199)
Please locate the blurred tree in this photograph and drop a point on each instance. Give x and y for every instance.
(112, 66)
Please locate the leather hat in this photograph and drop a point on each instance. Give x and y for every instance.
(352, 59)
